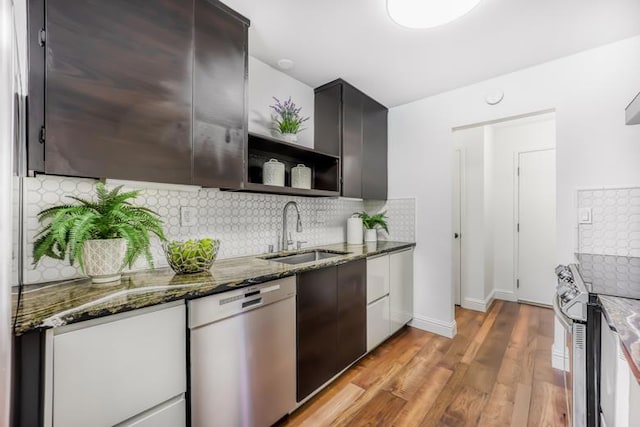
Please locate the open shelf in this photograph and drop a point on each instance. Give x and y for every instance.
(325, 168)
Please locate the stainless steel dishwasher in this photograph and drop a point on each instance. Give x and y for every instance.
(243, 356)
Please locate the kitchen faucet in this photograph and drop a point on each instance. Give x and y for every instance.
(286, 242)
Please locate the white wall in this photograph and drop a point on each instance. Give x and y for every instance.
(508, 139)
(594, 148)
(266, 82)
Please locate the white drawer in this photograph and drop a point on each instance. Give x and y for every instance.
(377, 278)
(171, 414)
(108, 373)
(378, 323)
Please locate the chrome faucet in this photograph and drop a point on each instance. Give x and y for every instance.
(286, 242)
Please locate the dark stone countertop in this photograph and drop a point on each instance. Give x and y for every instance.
(623, 316)
(61, 303)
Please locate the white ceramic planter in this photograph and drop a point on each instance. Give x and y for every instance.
(104, 259)
(289, 137)
(370, 235)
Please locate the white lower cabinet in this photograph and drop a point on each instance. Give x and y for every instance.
(634, 399)
(377, 278)
(171, 414)
(389, 295)
(378, 325)
(401, 288)
(127, 369)
(620, 391)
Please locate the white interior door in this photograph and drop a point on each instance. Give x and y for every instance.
(536, 226)
(456, 274)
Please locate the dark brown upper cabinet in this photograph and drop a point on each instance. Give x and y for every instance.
(220, 121)
(353, 125)
(138, 91)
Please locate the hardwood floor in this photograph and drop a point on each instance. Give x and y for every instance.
(495, 372)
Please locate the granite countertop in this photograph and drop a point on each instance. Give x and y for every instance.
(623, 316)
(61, 303)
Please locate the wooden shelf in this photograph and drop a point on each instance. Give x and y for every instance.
(272, 189)
(325, 168)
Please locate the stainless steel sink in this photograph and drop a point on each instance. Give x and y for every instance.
(309, 256)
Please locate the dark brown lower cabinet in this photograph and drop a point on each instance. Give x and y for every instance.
(352, 312)
(331, 323)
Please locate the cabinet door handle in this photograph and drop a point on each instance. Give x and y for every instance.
(456, 235)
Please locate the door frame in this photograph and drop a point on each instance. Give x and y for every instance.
(461, 227)
(516, 212)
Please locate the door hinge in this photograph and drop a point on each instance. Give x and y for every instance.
(517, 283)
(43, 135)
(42, 37)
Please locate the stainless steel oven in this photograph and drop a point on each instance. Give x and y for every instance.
(570, 305)
(575, 371)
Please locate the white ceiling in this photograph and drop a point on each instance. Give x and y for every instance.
(356, 40)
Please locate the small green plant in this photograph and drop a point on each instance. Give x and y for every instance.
(112, 216)
(288, 118)
(374, 221)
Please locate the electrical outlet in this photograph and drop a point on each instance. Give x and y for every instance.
(321, 215)
(188, 216)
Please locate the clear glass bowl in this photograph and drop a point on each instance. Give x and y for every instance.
(191, 256)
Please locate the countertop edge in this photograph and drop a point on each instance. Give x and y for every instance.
(59, 319)
(613, 324)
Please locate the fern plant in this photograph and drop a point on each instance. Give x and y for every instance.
(111, 216)
(374, 221)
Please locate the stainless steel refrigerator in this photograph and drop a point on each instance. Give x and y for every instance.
(10, 85)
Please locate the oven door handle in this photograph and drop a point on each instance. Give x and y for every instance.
(566, 321)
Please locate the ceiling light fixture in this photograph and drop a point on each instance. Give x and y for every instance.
(285, 64)
(428, 13)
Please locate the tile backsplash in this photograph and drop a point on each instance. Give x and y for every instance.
(615, 222)
(245, 223)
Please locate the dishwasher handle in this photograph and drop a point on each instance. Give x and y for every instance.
(251, 303)
(206, 310)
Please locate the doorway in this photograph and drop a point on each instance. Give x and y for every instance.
(503, 211)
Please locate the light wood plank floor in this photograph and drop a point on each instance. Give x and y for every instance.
(495, 372)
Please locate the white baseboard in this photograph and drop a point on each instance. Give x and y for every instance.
(559, 360)
(476, 304)
(484, 305)
(446, 329)
(504, 295)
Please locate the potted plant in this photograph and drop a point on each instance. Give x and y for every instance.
(103, 236)
(288, 121)
(371, 224)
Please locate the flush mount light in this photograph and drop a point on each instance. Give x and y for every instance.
(285, 64)
(428, 13)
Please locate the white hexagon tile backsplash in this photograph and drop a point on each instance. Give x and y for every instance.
(245, 223)
(615, 222)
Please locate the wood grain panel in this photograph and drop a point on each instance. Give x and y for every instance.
(352, 312)
(317, 329)
(119, 89)
(220, 75)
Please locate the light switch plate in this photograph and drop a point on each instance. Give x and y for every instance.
(584, 216)
(321, 216)
(188, 216)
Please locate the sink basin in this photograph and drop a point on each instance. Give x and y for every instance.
(300, 258)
